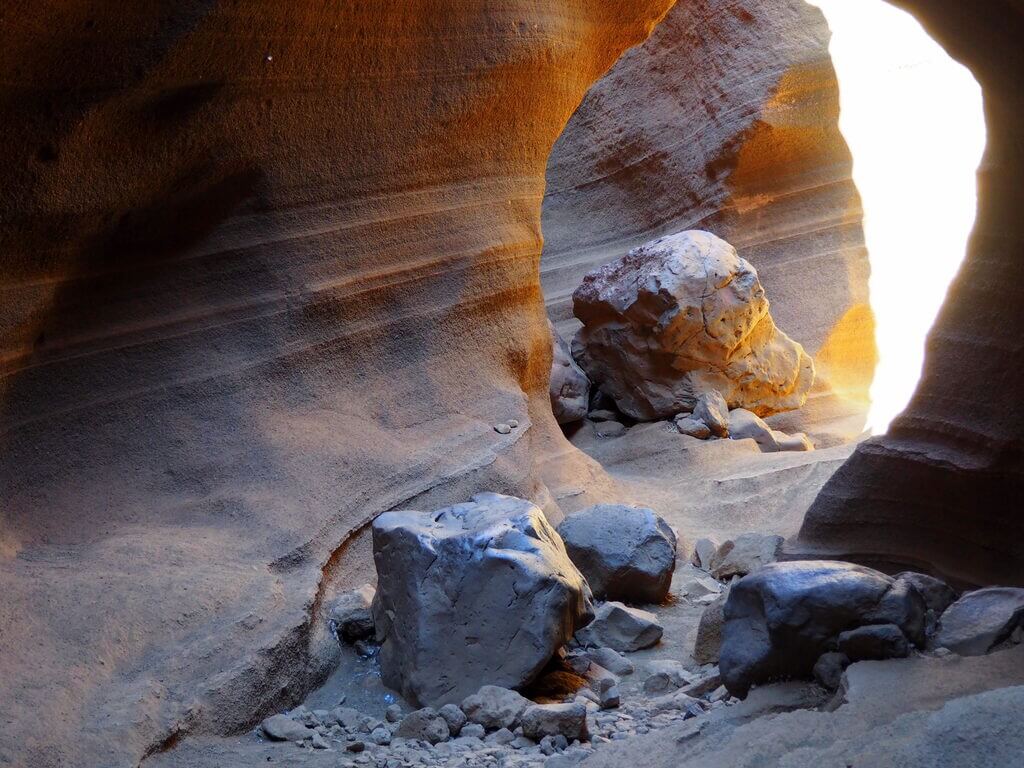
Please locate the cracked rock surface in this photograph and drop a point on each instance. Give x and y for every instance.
(681, 316)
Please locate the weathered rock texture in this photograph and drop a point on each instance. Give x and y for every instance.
(725, 120)
(942, 488)
(481, 593)
(268, 270)
(682, 317)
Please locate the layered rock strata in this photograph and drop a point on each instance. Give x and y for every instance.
(268, 270)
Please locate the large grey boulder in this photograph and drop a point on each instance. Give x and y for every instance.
(745, 554)
(937, 594)
(781, 619)
(621, 628)
(625, 553)
(680, 316)
(569, 386)
(474, 594)
(980, 620)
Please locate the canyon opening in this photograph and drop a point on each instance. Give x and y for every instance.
(504, 384)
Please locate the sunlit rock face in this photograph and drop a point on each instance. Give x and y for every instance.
(681, 316)
(725, 120)
(266, 272)
(942, 489)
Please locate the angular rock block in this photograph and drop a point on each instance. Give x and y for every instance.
(283, 728)
(829, 668)
(481, 593)
(621, 628)
(681, 316)
(626, 553)
(494, 707)
(708, 646)
(704, 551)
(712, 409)
(568, 720)
(980, 620)
(782, 618)
(937, 594)
(874, 641)
(569, 387)
(424, 725)
(688, 425)
(745, 554)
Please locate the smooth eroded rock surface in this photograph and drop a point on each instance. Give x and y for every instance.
(268, 271)
(480, 593)
(682, 316)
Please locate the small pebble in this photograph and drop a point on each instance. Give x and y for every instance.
(513, 423)
(502, 429)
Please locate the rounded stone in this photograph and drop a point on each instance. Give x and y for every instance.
(626, 553)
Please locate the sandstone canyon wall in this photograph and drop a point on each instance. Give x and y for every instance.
(726, 120)
(268, 269)
(942, 490)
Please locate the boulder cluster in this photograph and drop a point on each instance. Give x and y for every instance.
(513, 638)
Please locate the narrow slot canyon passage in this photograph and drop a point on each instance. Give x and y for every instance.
(511, 385)
(841, 160)
(914, 121)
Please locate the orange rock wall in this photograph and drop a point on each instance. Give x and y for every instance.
(268, 269)
(726, 119)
